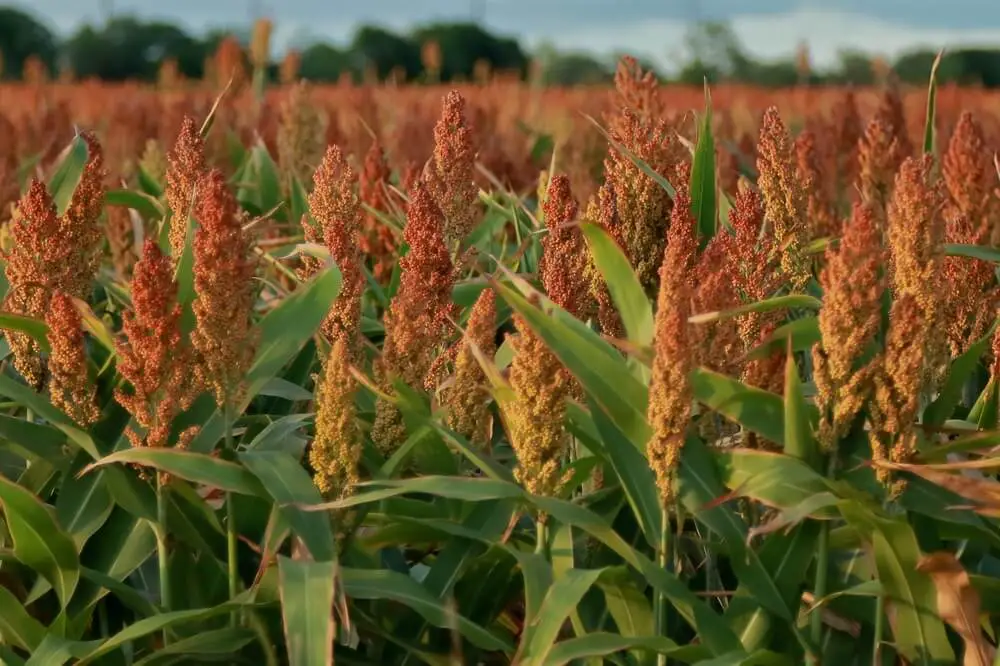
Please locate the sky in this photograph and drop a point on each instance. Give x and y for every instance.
(648, 28)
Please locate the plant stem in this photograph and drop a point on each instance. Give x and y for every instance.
(660, 600)
(161, 548)
(879, 620)
(542, 539)
(232, 541)
(822, 564)
(819, 587)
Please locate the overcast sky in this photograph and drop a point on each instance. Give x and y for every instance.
(653, 28)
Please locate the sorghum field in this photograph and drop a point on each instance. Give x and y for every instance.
(498, 374)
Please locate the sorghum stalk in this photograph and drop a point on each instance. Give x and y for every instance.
(224, 335)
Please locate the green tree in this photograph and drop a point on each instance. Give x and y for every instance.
(323, 62)
(385, 50)
(570, 68)
(21, 35)
(462, 44)
(126, 48)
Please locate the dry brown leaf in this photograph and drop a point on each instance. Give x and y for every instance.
(959, 605)
(984, 493)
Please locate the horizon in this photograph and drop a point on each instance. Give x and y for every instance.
(643, 28)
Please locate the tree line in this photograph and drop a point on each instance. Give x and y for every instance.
(129, 48)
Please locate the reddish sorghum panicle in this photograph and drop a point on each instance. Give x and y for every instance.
(785, 203)
(377, 240)
(335, 453)
(564, 254)
(916, 232)
(467, 399)
(337, 212)
(915, 235)
(972, 214)
(642, 205)
(971, 286)
(450, 175)
(603, 210)
(970, 176)
(821, 216)
(224, 286)
(50, 253)
(80, 225)
(300, 134)
(670, 395)
(153, 357)
(416, 323)
(32, 268)
(898, 381)
(881, 151)
(849, 321)
(121, 240)
(535, 419)
(70, 387)
(186, 168)
(847, 121)
(9, 163)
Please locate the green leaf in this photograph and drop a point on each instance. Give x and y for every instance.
(918, 632)
(703, 190)
(265, 191)
(67, 174)
(83, 503)
(606, 378)
(563, 597)
(39, 542)
(699, 486)
(37, 329)
(299, 202)
(756, 410)
(627, 603)
(307, 610)
(602, 644)
(286, 329)
(289, 485)
(146, 205)
(799, 440)
(932, 86)
(633, 471)
(215, 644)
(277, 387)
(961, 369)
(791, 301)
(392, 585)
(42, 407)
(774, 479)
(154, 624)
(190, 466)
(627, 293)
(710, 626)
(148, 184)
(277, 435)
(983, 252)
(803, 333)
(640, 164)
(17, 628)
(31, 439)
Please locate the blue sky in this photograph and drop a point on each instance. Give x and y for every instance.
(653, 28)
